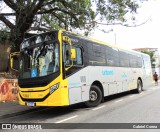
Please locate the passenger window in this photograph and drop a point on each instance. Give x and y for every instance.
(78, 59)
(66, 54)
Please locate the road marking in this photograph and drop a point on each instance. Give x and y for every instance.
(99, 107)
(67, 119)
(119, 100)
(131, 96)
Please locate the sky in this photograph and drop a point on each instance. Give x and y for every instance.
(146, 35)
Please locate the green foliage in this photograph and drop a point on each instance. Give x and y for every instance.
(87, 14)
(115, 10)
(84, 15)
(4, 36)
(69, 15)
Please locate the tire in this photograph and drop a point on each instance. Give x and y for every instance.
(95, 97)
(139, 86)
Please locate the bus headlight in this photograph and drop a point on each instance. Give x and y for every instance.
(54, 88)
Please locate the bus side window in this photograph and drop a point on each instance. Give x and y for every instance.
(67, 57)
(78, 59)
(66, 54)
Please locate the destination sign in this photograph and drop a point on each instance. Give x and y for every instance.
(37, 39)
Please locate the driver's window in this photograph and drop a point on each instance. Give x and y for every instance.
(66, 54)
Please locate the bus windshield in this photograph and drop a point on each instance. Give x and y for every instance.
(41, 60)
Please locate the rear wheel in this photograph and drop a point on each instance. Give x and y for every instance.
(95, 96)
(139, 86)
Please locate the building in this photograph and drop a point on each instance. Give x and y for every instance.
(156, 56)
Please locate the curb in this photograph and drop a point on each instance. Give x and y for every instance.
(18, 113)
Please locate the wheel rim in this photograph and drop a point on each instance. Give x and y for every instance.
(93, 95)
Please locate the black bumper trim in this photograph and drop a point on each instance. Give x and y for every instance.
(34, 100)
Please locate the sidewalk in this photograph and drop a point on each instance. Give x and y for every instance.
(13, 108)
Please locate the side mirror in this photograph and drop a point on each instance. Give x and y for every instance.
(11, 63)
(73, 53)
(14, 62)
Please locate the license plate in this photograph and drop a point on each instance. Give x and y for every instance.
(30, 104)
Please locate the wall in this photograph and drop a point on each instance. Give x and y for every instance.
(8, 89)
(4, 55)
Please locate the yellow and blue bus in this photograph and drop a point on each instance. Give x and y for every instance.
(59, 68)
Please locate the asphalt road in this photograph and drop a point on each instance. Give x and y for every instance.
(128, 107)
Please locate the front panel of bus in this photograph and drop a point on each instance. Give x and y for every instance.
(40, 80)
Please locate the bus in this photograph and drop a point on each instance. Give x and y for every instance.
(60, 68)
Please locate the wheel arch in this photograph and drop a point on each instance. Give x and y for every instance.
(100, 86)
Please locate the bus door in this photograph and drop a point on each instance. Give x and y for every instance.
(74, 85)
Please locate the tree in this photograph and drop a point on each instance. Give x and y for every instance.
(43, 15)
(4, 33)
(151, 54)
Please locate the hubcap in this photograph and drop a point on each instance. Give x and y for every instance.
(93, 96)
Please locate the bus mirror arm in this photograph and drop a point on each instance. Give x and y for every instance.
(11, 63)
(66, 69)
(11, 56)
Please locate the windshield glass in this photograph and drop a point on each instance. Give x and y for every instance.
(39, 61)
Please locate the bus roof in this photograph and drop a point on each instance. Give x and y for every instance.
(105, 43)
(93, 40)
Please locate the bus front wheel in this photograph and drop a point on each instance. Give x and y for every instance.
(95, 96)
